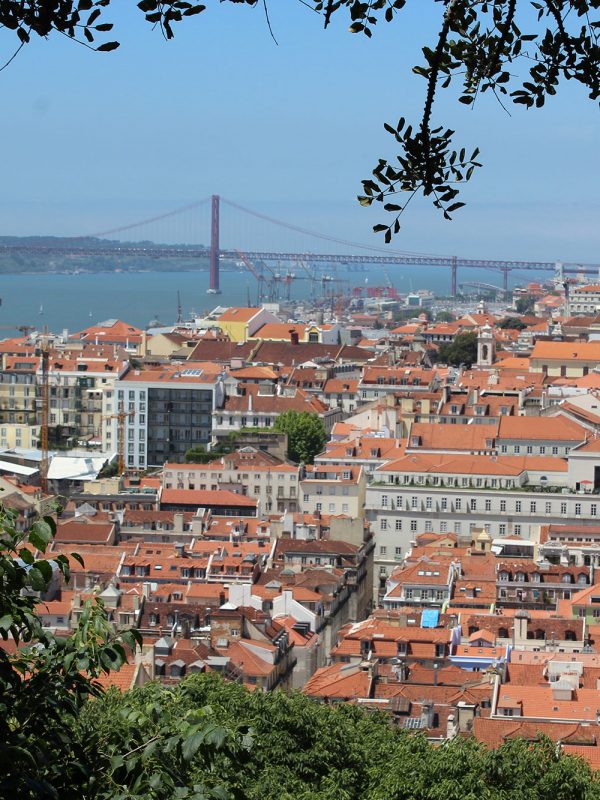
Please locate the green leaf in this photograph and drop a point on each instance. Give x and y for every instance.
(36, 580)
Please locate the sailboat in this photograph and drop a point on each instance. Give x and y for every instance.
(41, 309)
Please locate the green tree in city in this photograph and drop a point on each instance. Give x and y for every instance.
(517, 51)
(444, 316)
(525, 304)
(305, 432)
(289, 747)
(462, 350)
(511, 323)
(46, 683)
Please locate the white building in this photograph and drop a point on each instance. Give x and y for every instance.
(167, 411)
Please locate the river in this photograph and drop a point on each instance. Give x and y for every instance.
(76, 301)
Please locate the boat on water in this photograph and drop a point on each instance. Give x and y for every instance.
(213, 291)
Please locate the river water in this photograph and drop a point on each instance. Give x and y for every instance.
(76, 301)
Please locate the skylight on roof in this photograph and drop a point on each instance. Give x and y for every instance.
(191, 372)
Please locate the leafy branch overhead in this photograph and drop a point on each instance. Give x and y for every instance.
(478, 49)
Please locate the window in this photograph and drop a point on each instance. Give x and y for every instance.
(504, 449)
(398, 525)
(383, 524)
(593, 510)
(518, 506)
(473, 504)
(414, 502)
(577, 509)
(532, 507)
(318, 506)
(413, 525)
(457, 527)
(517, 530)
(548, 508)
(488, 505)
(444, 505)
(502, 529)
(428, 526)
(529, 449)
(383, 550)
(563, 508)
(398, 551)
(458, 503)
(502, 505)
(443, 527)
(555, 451)
(428, 503)
(384, 500)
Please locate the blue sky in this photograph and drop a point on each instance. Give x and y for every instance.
(92, 141)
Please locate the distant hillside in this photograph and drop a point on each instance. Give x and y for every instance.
(26, 259)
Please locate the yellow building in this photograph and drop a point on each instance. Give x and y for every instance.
(241, 323)
(566, 359)
(19, 435)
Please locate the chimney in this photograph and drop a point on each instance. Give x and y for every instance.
(427, 715)
(294, 338)
(178, 522)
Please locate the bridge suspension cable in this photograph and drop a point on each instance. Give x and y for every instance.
(326, 237)
(149, 220)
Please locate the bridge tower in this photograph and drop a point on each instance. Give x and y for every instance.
(453, 277)
(505, 273)
(214, 287)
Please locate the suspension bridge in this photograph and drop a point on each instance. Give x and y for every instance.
(259, 262)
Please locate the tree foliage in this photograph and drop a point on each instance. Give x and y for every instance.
(511, 323)
(462, 350)
(525, 304)
(495, 46)
(305, 432)
(288, 747)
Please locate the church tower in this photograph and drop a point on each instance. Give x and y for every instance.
(486, 347)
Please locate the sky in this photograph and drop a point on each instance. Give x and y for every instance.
(92, 141)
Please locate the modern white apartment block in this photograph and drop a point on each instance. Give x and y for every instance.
(167, 411)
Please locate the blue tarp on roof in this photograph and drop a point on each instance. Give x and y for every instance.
(430, 618)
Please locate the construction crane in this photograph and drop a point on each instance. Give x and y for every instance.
(44, 353)
(24, 329)
(120, 416)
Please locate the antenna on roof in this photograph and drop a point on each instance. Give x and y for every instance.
(179, 309)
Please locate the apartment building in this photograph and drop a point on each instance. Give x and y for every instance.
(377, 382)
(168, 410)
(275, 486)
(18, 404)
(334, 490)
(77, 384)
(463, 495)
(252, 405)
(585, 299)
